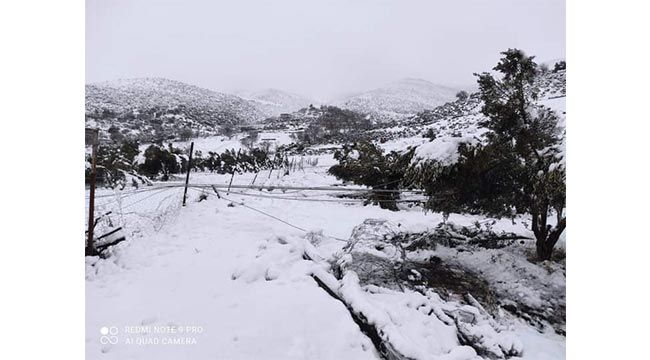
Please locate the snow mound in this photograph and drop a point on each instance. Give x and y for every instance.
(414, 324)
(444, 150)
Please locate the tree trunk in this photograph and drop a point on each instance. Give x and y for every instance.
(544, 251)
(546, 240)
(386, 200)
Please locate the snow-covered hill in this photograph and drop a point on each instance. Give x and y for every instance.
(273, 102)
(462, 121)
(144, 103)
(399, 99)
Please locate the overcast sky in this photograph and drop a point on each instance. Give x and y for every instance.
(321, 48)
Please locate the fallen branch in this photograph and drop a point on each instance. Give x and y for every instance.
(109, 233)
(102, 247)
(384, 348)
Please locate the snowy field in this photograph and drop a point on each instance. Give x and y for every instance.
(227, 278)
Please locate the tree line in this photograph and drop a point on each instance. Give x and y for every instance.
(118, 161)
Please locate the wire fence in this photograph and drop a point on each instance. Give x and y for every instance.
(148, 208)
(137, 212)
(308, 199)
(241, 203)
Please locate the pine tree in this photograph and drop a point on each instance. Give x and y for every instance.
(518, 168)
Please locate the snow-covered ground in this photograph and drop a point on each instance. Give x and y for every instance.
(231, 282)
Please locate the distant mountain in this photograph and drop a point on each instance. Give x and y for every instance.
(146, 105)
(399, 99)
(273, 102)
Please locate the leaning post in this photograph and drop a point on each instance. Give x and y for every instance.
(189, 168)
(92, 138)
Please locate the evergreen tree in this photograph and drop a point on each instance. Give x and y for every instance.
(518, 168)
(365, 164)
(158, 160)
(130, 149)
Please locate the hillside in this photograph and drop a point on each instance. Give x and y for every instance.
(273, 102)
(146, 106)
(399, 99)
(461, 120)
(449, 123)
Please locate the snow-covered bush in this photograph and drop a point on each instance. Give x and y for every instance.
(158, 160)
(366, 164)
(240, 161)
(115, 162)
(462, 95)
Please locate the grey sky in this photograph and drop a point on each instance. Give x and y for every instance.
(317, 48)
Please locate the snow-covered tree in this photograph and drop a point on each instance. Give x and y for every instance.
(365, 164)
(158, 160)
(250, 139)
(519, 168)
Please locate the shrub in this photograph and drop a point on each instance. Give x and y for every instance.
(365, 164)
(158, 160)
(185, 134)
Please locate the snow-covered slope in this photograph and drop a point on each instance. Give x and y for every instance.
(128, 94)
(399, 99)
(143, 103)
(273, 102)
(461, 121)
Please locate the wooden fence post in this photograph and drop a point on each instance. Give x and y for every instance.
(189, 168)
(233, 175)
(92, 136)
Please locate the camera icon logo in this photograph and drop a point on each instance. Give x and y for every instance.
(109, 335)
